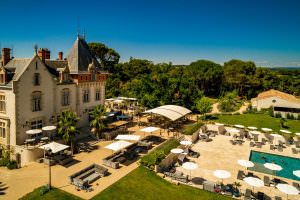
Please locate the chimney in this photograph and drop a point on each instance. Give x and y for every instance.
(60, 55)
(5, 56)
(44, 54)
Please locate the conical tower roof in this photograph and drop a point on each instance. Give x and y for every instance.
(80, 57)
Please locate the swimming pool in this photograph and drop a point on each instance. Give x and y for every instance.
(288, 164)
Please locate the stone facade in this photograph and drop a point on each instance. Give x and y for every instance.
(36, 91)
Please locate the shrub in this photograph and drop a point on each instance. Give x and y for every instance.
(12, 164)
(278, 115)
(4, 162)
(44, 189)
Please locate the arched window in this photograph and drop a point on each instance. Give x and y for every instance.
(65, 97)
(36, 101)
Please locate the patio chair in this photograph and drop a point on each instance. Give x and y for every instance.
(272, 147)
(267, 181)
(297, 144)
(240, 175)
(248, 194)
(294, 150)
(280, 149)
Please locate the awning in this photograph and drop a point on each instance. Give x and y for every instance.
(171, 112)
(128, 137)
(54, 146)
(116, 146)
(149, 129)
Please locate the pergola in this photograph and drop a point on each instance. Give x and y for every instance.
(172, 112)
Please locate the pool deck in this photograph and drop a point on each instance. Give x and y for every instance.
(221, 154)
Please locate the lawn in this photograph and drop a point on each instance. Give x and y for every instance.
(52, 194)
(259, 121)
(146, 185)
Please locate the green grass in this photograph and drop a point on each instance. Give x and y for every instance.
(258, 120)
(54, 193)
(146, 185)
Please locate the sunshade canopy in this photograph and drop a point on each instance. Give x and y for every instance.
(222, 174)
(287, 189)
(33, 131)
(149, 129)
(252, 128)
(185, 142)
(54, 147)
(128, 137)
(116, 146)
(171, 112)
(273, 166)
(266, 129)
(49, 128)
(298, 134)
(189, 166)
(239, 126)
(177, 151)
(255, 182)
(245, 163)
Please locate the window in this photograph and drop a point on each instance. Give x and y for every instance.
(36, 80)
(2, 129)
(93, 75)
(97, 95)
(274, 101)
(65, 98)
(36, 101)
(85, 95)
(37, 124)
(2, 103)
(66, 77)
(2, 79)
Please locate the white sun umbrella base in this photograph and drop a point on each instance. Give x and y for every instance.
(287, 189)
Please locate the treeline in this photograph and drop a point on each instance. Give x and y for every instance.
(159, 84)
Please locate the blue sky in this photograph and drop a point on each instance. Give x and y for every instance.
(265, 31)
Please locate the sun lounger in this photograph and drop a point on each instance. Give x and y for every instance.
(252, 144)
(240, 175)
(280, 148)
(272, 147)
(233, 142)
(296, 185)
(258, 144)
(248, 194)
(277, 198)
(294, 150)
(267, 181)
(260, 196)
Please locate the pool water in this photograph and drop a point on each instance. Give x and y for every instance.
(288, 164)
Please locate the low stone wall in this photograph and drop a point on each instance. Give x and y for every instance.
(26, 155)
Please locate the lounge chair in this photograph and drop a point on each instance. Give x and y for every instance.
(248, 194)
(240, 175)
(233, 142)
(277, 198)
(296, 185)
(280, 148)
(260, 196)
(272, 147)
(267, 181)
(250, 174)
(252, 144)
(294, 150)
(258, 144)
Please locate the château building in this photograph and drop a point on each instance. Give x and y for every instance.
(35, 91)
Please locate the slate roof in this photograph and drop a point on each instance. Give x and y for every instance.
(17, 66)
(80, 57)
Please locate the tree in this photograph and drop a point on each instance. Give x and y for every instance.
(204, 106)
(108, 57)
(97, 124)
(67, 126)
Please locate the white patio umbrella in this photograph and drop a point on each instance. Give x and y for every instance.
(285, 131)
(245, 163)
(297, 173)
(298, 134)
(222, 174)
(189, 166)
(49, 128)
(287, 189)
(252, 128)
(185, 142)
(149, 129)
(254, 182)
(234, 130)
(239, 126)
(266, 129)
(219, 124)
(33, 131)
(272, 166)
(276, 136)
(177, 151)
